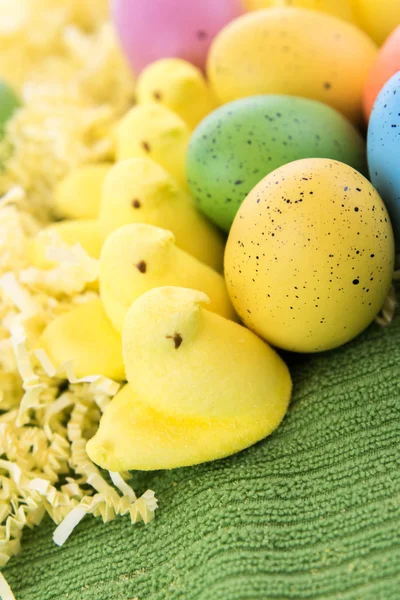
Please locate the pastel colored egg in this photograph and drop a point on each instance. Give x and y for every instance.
(292, 51)
(338, 8)
(178, 85)
(387, 63)
(241, 142)
(384, 148)
(309, 258)
(9, 102)
(378, 17)
(152, 29)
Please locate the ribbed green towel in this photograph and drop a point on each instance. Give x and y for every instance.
(311, 512)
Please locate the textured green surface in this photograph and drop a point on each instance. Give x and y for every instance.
(311, 512)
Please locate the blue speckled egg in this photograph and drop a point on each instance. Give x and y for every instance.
(384, 148)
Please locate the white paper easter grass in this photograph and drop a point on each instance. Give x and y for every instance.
(5, 590)
(61, 57)
(56, 425)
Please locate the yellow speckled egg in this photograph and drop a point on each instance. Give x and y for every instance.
(338, 8)
(309, 258)
(292, 51)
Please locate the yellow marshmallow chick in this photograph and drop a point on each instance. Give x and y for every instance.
(78, 195)
(85, 232)
(140, 191)
(201, 387)
(153, 131)
(178, 85)
(137, 258)
(85, 336)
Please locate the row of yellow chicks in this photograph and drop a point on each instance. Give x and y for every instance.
(200, 386)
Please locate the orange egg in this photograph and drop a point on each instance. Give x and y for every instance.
(387, 63)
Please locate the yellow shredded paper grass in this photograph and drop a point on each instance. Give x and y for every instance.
(63, 60)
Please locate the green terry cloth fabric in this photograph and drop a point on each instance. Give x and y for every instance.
(311, 512)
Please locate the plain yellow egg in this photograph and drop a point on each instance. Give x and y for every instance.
(378, 17)
(309, 258)
(338, 8)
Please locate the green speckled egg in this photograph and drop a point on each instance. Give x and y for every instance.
(309, 258)
(241, 142)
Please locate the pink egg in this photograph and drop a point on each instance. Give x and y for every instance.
(154, 29)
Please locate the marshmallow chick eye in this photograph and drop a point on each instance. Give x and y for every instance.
(200, 387)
